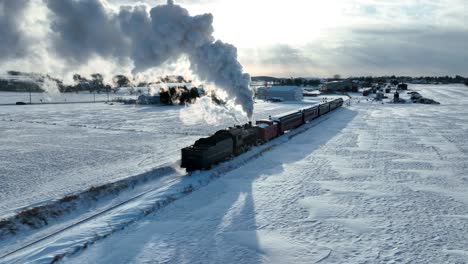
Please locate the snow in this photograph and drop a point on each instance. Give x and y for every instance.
(372, 184)
(13, 97)
(64, 149)
(263, 125)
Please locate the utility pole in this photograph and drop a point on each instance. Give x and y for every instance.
(30, 97)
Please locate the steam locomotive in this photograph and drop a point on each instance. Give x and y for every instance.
(231, 142)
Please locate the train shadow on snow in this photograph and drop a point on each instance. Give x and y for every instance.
(274, 162)
(241, 237)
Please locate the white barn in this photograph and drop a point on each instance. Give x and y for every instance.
(285, 93)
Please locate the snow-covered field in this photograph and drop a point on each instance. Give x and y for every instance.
(13, 97)
(49, 151)
(372, 184)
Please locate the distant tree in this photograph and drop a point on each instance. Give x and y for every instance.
(299, 82)
(217, 100)
(14, 73)
(97, 82)
(107, 88)
(184, 95)
(459, 79)
(97, 78)
(142, 84)
(194, 93)
(314, 82)
(81, 84)
(289, 81)
(337, 77)
(121, 81)
(165, 97)
(173, 92)
(78, 78)
(466, 81)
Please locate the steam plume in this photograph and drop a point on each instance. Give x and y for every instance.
(204, 111)
(217, 63)
(83, 29)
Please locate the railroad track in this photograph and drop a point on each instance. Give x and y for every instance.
(215, 173)
(87, 219)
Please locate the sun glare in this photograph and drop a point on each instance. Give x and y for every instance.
(260, 23)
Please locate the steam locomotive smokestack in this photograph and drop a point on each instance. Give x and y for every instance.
(149, 39)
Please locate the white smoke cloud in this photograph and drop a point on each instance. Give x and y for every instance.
(217, 62)
(205, 111)
(50, 88)
(83, 29)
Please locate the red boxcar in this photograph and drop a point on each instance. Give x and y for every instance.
(289, 121)
(267, 130)
(310, 113)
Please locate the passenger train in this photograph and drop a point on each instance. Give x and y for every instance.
(231, 142)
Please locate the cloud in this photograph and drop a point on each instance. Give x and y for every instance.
(285, 55)
(424, 51)
(83, 29)
(370, 50)
(280, 60)
(300, 38)
(14, 42)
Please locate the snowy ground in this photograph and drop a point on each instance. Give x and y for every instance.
(64, 149)
(373, 184)
(13, 97)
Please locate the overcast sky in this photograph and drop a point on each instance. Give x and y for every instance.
(317, 38)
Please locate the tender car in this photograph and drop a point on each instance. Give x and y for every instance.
(207, 152)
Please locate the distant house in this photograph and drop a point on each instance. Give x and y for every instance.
(261, 92)
(337, 86)
(281, 93)
(314, 93)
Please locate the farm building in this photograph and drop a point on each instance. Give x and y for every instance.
(337, 86)
(285, 93)
(261, 92)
